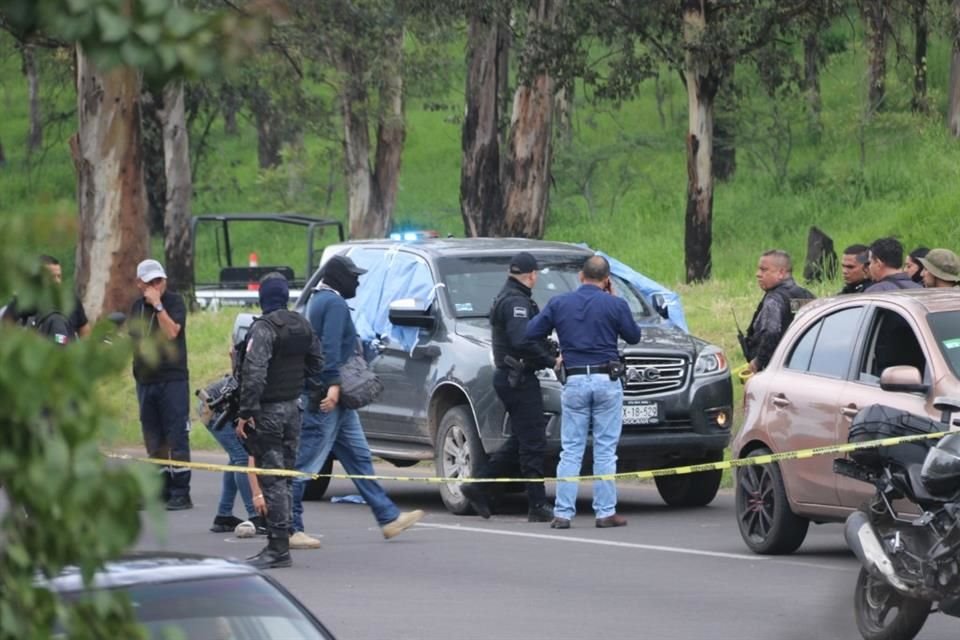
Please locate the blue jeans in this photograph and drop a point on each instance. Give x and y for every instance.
(339, 432)
(589, 400)
(233, 481)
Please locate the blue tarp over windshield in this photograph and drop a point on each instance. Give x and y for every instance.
(396, 275)
(391, 276)
(648, 287)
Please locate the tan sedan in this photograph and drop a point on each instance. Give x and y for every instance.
(840, 355)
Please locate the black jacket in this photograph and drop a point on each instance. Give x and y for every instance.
(772, 317)
(512, 310)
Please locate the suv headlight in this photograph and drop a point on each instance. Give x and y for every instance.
(548, 375)
(711, 361)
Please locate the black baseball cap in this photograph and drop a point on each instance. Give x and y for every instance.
(523, 262)
(345, 263)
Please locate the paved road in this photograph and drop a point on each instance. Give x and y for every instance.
(669, 574)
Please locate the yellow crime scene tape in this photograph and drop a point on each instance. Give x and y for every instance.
(799, 454)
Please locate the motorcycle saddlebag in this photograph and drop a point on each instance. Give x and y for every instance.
(877, 422)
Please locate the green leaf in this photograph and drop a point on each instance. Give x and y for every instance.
(180, 23)
(154, 8)
(149, 32)
(78, 6)
(113, 27)
(135, 54)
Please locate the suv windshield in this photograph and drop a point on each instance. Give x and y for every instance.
(946, 328)
(472, 282)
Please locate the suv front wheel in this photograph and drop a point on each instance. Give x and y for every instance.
(691, 489)
(458, 454)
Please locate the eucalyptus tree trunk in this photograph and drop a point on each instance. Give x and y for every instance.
(811, 80)
(526, 178)
(177, 217)
(481, 199)
(372, 191)
(921, 31)
(953, 109)
(703, 81)
(35, 135)
(875, 28)
(112, 230)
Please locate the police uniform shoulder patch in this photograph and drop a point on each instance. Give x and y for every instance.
(519, 312)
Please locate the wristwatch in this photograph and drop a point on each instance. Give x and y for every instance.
(159, 307)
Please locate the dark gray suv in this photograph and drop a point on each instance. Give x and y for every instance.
(423, 307)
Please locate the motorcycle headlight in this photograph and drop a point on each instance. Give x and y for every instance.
(710, 362)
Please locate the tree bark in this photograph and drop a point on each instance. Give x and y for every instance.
(811, 80)
(481, 200)
(391, 134)
(921, 30)
(35, 136)
(269, 137)
(875, 28)
(372, 191)
(703, 81)
(953, 110)
(112, 233)
(177, 250)
(527, 167)
(154, 172)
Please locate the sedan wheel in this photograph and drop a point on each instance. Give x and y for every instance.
(766, 523)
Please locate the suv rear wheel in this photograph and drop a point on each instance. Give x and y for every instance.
(766, 523)
(314, 489)
(692, 489)
(458, 454)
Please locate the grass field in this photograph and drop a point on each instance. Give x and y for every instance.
(898, 173)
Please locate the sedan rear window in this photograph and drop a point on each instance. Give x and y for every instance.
(946, 329)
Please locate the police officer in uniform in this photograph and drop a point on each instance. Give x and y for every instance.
(517, 360)
(281, 355)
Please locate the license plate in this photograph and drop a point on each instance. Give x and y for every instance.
(641, 413)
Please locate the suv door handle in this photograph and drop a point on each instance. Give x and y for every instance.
(850, 411)
(780, 401)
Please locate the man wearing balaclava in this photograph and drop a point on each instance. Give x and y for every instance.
(281, 358)
(329, 426)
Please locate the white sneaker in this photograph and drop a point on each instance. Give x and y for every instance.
(245, 529)
(300, 540)
(403, 522)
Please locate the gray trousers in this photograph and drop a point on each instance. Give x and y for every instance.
(278, 436)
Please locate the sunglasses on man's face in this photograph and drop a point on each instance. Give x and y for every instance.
(156, 282)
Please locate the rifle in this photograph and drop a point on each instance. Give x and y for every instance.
(742, 339)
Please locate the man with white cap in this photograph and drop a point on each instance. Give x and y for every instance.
(941, 269)
(163, 388)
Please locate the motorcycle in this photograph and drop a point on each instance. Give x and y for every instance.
(910, 564)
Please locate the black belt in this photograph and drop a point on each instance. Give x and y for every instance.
(587, 370)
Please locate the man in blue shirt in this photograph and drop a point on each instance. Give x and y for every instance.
(589, 323)
(329, 426)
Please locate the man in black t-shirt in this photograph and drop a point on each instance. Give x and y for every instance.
(163, 388)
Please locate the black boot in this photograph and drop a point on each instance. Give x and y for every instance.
(273, 556)
(477, 497)
(223, 524)
(539, 513)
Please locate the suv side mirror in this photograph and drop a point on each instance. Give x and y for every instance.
(660, 305)
(411, 312)
(902, 378)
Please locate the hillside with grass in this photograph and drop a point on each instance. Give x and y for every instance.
(619, 183)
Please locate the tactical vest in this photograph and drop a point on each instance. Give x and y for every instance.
(285, 373)
(500, 344)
